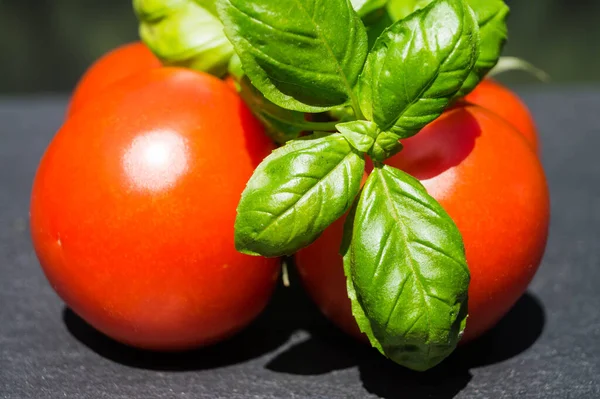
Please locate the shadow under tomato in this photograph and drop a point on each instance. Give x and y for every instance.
(328, 349)
(267, 333)
(514, 334)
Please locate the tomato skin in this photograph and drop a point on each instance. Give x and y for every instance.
(488, 179)
(504, 102)
(133, 207)
(119, 63)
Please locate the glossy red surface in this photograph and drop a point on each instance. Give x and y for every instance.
(133, 207)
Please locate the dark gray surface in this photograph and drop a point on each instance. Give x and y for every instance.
(547, 347)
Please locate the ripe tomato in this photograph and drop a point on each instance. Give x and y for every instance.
(504, 102)
(133, 208)
(124, 61)
(486, 176)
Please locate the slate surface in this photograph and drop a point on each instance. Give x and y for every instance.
(547, 347)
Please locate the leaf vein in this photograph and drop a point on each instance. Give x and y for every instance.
(440, 251)
(275, 28)
(428, 85)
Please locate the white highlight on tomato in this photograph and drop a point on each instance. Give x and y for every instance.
(156, 160)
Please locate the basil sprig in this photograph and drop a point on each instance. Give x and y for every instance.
(403, 256)
(406, 267)
(491, 18)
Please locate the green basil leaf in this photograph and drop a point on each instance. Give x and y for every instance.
(303, 55)
(280, 124)
(491, 17)
(295, 193)
(406, 265)
(183, 33)
(366, 7)
(417, 65)
(386, 145)
(360, 134)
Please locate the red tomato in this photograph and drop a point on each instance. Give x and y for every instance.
(113, 66)
(133, 208)
(504, 102)
(486, 176)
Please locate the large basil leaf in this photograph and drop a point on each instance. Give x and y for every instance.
(184, 33)
(417, 65)
(406, 269)
(303, 55)
(295, 193)
(491, 17)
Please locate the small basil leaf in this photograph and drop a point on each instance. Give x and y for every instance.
(386, 145)
(417, 65)
(365, 7)
(303, 55)
(408, 272)
(280, 124)
(360, 134)
(184, 33)
(295, 193)
(366, 137)
(491, 17)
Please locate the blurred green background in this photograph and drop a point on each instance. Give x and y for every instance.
(47, 44)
